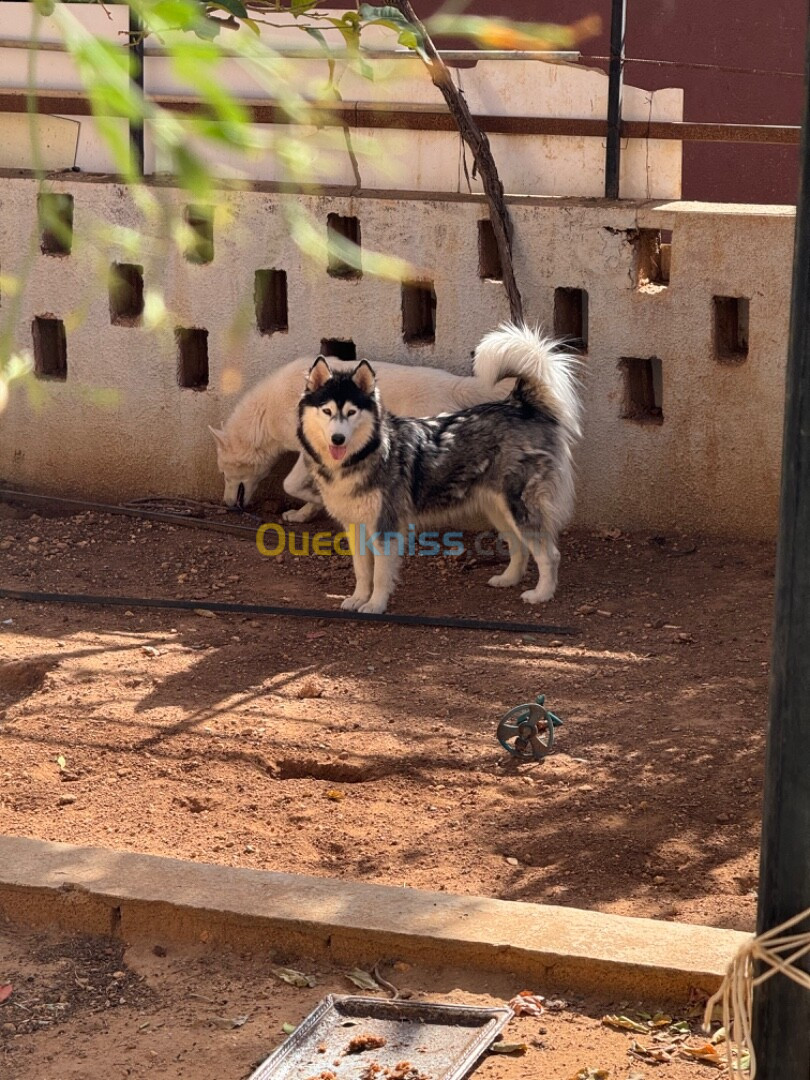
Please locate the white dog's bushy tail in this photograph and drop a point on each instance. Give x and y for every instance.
(547, 372)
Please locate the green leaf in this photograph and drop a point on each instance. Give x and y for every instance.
(288, 1029)
(45, 7)
(314, 32)
(233, 7)
(393, 17)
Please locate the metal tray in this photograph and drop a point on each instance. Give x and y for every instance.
(442, 1042)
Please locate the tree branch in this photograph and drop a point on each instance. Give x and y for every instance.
(482, 154)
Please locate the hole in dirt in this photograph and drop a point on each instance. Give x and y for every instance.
(338, 772)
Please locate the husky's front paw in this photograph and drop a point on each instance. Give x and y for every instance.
(354, 603)
(304, 513)
(375, 607)
(503, 581)
(538, 595)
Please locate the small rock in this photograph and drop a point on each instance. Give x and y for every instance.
(129, 614)
(119, 976)
(687, 639)
(249, 849)
(34, 540)
(604, 613)
(158, 950)
(659, 879)
(512, 860)
(585, 609)
(67, 800)
(204, 613)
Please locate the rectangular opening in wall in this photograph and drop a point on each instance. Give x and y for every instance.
(270, 298)
(340, 348)
(200, 245)
(571, 317)
(653, 253)
(192, 358)
(731, 329)
(55, 217)
(344, 262)
(126, 294)
(418, 313)
(643, 389)
(50, 348)
(489, 258)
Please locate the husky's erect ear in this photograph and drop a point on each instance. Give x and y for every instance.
(364, 377)
(319, 373)
(219, 437)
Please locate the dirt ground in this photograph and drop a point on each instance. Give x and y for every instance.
(81, 1009)
(368, 752)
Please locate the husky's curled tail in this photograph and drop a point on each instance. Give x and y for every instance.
(546, 374)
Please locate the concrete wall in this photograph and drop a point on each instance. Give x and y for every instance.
(711, 464)
(401, 160)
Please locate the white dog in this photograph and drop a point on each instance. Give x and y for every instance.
(263, 425)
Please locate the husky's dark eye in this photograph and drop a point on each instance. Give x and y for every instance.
(327, 412)
(351, 412)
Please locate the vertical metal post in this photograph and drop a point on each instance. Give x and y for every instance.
(781, 1028)
(618, 25)
(136, 127)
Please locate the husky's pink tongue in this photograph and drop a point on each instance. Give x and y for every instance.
(338, 452)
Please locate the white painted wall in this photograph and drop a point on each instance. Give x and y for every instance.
(404, 161)
(713, 464)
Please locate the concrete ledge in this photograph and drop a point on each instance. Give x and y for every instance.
(143, 897)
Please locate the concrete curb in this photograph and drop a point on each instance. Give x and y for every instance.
(159, 900)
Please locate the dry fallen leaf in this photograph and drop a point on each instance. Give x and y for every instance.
(660, 1020)
(294, 978)
(590, 1073)
(705, 1053)
(651, 1053)
(5, 991)
(624, 1023)
(362, 979)
(509, 1048)
(335, 795)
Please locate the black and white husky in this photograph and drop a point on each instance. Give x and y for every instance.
(510, 460)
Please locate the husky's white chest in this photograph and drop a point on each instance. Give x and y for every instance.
(343, 502)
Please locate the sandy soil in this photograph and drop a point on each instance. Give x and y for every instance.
(83, 1009)
(368, 752)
